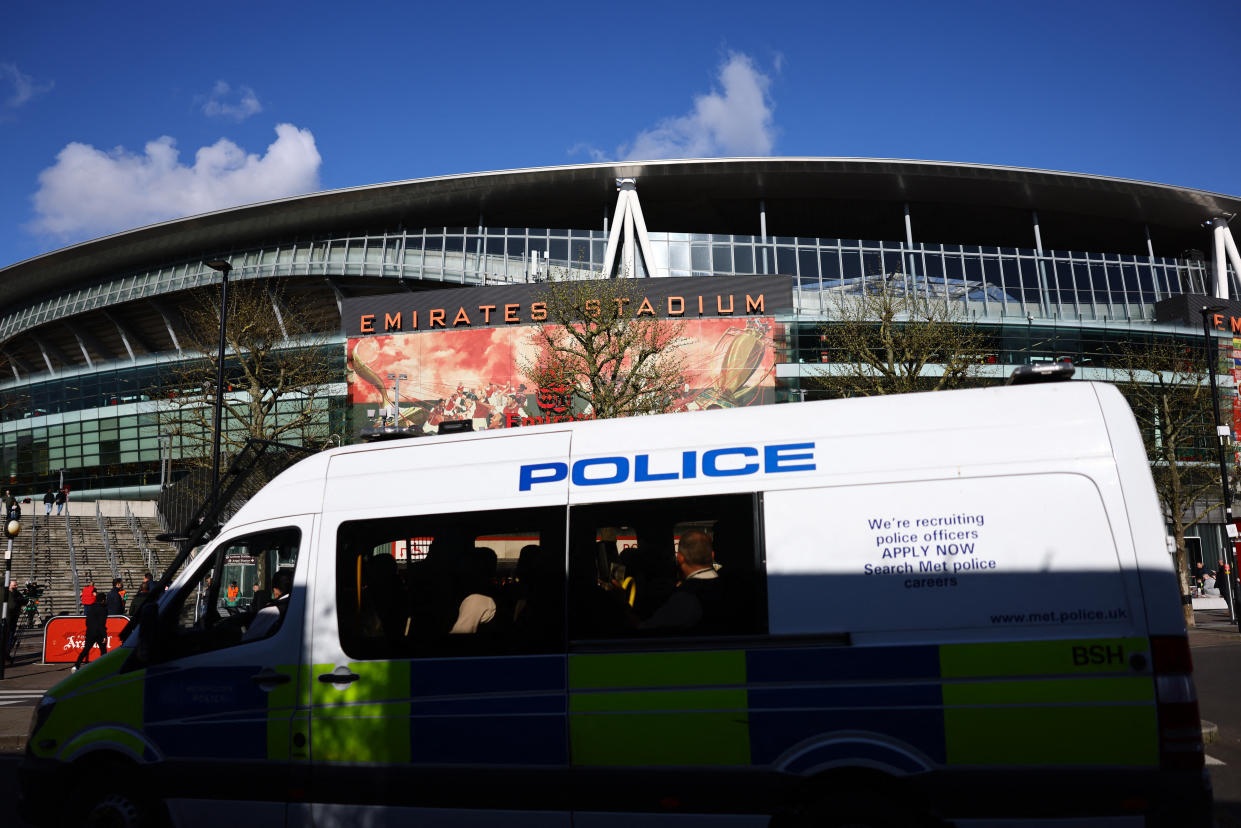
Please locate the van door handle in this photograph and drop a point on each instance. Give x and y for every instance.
(270, 676)
(341, 677)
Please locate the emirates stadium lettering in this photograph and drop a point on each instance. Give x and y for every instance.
(525, 304)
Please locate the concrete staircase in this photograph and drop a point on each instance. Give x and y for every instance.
(41, 552)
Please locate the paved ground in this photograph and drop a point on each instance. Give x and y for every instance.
(1216, 645)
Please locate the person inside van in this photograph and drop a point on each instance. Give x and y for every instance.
(697, 605)
(478, 578)
(268, 618)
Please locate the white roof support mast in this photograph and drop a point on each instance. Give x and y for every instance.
(1225, 245)
(629, 221)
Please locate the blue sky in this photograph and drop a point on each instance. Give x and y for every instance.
(113, 116)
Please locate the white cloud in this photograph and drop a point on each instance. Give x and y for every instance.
(734, 121)
(24, 86)
(222, 103)
(91, 192)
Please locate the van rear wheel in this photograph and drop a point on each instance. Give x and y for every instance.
(115, 811)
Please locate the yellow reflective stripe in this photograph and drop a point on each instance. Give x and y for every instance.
(1052, 691)
(660, 700)
(1034, 658)
(107, 707)
(666, 669)
(281, 701)
(366, 721)
(1062, 735)
(106, 734)
(660, 739)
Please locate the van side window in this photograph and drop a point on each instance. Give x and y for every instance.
(667, 568)
(210, 612)
(467, 584)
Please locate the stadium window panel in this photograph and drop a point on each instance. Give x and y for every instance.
(893, 262)
(991, 272)
(953, 268)
(808, 269)
(829, 261)
(433, 241)
(454, 243)
(700, 258)
(516, 246)
(1098, 278)
(722, 258)
(558, 249)
(678, 255)
(743, 255)
(786, 261)
(872, 264)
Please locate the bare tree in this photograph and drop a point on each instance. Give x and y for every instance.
(890, 337)
(603, 346)
(276, 372)
(1166, 384)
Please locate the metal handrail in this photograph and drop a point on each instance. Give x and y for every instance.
(73, 558)
(107, 541)
(136, 530)
(34, 530)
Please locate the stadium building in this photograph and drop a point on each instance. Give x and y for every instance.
(1055, 265)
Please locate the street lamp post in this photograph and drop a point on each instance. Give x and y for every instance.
(224, 268)
(1221, 435)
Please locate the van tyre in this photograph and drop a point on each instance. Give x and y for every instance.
(115, 811)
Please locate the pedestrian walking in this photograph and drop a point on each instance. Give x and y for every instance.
(48, 500)
(88, 595)
(144, 592)
(96, 630)
(11, 510)
(116, 598)
(62, 497)
(8, 635)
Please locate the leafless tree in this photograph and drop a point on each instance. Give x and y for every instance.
(890, 337)
(277, 371)
(1166, 384)
(604, 346)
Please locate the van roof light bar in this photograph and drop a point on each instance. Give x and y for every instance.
(1045, 372)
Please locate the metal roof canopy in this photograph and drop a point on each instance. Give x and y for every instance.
(709, 195)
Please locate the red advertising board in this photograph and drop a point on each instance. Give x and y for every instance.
(65, 635)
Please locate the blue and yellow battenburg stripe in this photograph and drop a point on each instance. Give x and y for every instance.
(1013, 703)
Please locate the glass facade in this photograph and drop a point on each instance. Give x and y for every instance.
(995, 282)
(107, 430)
(101, 426)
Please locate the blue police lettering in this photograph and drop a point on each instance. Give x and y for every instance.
(643, 474)
(558, 471)
(620, 464)
(709, 458)
(731, 461)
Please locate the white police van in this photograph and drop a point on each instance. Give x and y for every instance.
(931, 609)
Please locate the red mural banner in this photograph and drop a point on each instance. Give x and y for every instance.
(475, 374)
(65, 635)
